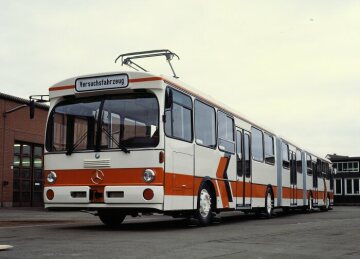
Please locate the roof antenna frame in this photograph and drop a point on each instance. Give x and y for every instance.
(127, 59)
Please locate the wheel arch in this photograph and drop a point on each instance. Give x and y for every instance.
(207, 181)
(269, 186)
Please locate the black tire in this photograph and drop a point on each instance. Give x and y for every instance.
(310, 203)
(327, 204)
(111, 218)
(330, 207)
(205, 205)
(269, 204)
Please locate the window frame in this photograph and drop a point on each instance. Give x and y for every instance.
(233, 132)
(352, 186)
(309, 169)
(288, 155)
(273, 149)
(194, 124)
(171, 110)
(353, 170)
(298, 151)
(262, 143)
(335, 187)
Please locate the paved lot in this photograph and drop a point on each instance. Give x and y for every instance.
(36, 233)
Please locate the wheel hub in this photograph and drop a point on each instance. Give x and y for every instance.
(268, 203)
(205, 203)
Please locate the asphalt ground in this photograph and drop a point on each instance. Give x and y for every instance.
(36, 233)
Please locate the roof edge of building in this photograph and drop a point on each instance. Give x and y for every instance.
(22, 101)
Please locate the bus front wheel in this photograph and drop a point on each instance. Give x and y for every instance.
(204, 205)
(111, 218)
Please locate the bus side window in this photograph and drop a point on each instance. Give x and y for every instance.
(205, 121)
(178, 118)
(269, 149)
(226, 131)
(257, 144)
(308, 164)
(285, 155)
(246, 155)
(298, 161)
(239, 157)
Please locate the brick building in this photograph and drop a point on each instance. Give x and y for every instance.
(347, 179)
(21, 152)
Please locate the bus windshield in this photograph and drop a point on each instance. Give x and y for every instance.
(112, 122)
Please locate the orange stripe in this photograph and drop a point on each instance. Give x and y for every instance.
(58, 88)
(113, 176)
(179, 184)
(145, 79)
(289, 193)
(220, 175)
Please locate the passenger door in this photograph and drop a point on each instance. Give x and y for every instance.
(179, 151)
(316, 171)
(293, 179)
(243, 169)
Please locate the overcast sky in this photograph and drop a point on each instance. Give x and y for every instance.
(292, 66)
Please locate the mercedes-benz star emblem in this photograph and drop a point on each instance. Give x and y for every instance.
(97, 177)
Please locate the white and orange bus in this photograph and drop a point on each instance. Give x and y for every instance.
(126, 143)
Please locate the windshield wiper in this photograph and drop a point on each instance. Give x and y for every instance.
(75, 145)
(120, 145)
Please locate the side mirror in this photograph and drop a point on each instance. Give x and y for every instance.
(168, 98)
(32, 109)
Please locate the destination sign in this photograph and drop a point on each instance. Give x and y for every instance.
(101, 82)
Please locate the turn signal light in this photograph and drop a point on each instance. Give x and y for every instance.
(148, 194)
(50, 194)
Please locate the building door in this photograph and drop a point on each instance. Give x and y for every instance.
(28, 175)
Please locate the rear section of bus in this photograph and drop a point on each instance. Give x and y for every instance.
(104, 146)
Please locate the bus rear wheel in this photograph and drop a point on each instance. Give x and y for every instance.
(269, 203)
(205, 205)
(111, 218)
(310, 203)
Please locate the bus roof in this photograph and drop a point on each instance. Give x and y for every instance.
(67, 87)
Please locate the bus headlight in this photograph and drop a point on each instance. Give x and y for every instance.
(149, 175)
(51, 177)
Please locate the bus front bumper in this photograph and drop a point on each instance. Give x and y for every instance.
(108, 197)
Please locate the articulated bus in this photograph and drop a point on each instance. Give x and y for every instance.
(130, 143)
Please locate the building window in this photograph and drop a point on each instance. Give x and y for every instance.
(352, 186)
(269, 149)
(356, 186)
(179, 117)
(348, 186)
(205, 129)
(226, 133)
(257, 144)
(347, 167)
(338, 189)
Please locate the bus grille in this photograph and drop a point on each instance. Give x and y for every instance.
(95, 163)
